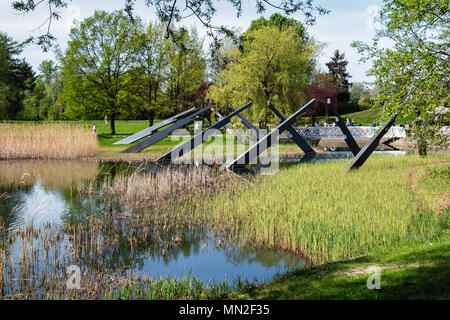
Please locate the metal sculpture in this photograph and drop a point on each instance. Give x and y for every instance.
(370, 147)
(199, 138)
(266, 142)
(348, 138)
(148, 131)
(247, 123)
(158, 136)
(295, 136)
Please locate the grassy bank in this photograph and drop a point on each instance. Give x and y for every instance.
(48, 141)
(315, 210)
(413, 271)
(370, 117)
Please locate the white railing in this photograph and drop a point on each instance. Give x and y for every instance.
(335, 132)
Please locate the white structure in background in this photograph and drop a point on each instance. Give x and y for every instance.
(198, 125)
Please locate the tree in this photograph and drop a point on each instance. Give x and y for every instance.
(96, 66)
(356, 91)
(412, 76)
(273, 66)
(282, 23)
(320, 107)
(16, 78)
(151, 69)
(338, 69)
(169, 11)
(43, 100)
(186, 70)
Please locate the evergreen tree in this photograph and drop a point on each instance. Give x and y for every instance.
(16, 78)
(338, 69)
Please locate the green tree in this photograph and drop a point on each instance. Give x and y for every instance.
(274, 66)
(338, 69)
(169, 11)
(16, 78)
(412, 76)
(356, 91)
(151, 69)
(282, 23)
(186, 70)
(96, 66)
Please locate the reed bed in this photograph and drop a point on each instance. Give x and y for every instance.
(316, 211)
(46, 141)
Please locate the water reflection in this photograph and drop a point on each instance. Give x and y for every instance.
(48, 191)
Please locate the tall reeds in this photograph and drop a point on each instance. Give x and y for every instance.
(47, 141)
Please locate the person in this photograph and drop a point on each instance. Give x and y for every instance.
(347, 123)
(94, 129)
(353, 122)
(317, 124)
(36, 118)
(106, 120)
(334, 124)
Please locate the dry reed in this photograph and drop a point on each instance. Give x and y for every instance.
(47, 141)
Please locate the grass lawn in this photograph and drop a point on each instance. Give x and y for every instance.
(369, 117)
(415, 271)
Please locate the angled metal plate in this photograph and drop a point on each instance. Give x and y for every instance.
(158, 136)
(147, 131)
(247, 123)
(266, 142)
(302, 144)
(348, 136)
(187, 146)
(370, 147)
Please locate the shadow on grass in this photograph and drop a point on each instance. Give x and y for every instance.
(421, 274)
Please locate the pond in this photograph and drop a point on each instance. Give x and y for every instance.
(43, 196)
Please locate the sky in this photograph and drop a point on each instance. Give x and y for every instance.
(348, 20)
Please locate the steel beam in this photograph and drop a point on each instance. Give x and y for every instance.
(266, 142)
(198, 139)
(147, 131)
(348, 136)
(247, 123)
(158, 136)
(302, 144)
(370, 147)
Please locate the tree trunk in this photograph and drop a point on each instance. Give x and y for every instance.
(422, 145)
(151, 117)
(112, 125)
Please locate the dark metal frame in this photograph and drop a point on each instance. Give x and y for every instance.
(302, 144)
(147, 131)
(370, 147)
(266, 142)
(198, 139)
(158, 136)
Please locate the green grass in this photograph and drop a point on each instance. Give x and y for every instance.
(316, 210)
(370, 117)
(413, 271)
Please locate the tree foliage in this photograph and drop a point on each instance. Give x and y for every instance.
(16, 78)
(273, 65)
(412, 76)
(96, 66)
(170, 11)
(337, 67)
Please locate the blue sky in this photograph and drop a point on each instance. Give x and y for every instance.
(348, 20)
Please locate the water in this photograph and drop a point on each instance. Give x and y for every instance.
(42, 192)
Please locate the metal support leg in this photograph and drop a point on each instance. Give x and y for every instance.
(370, 147)
(348, 136)
(266, 142)
(306, 148)
(199, 138)
(163, 133)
